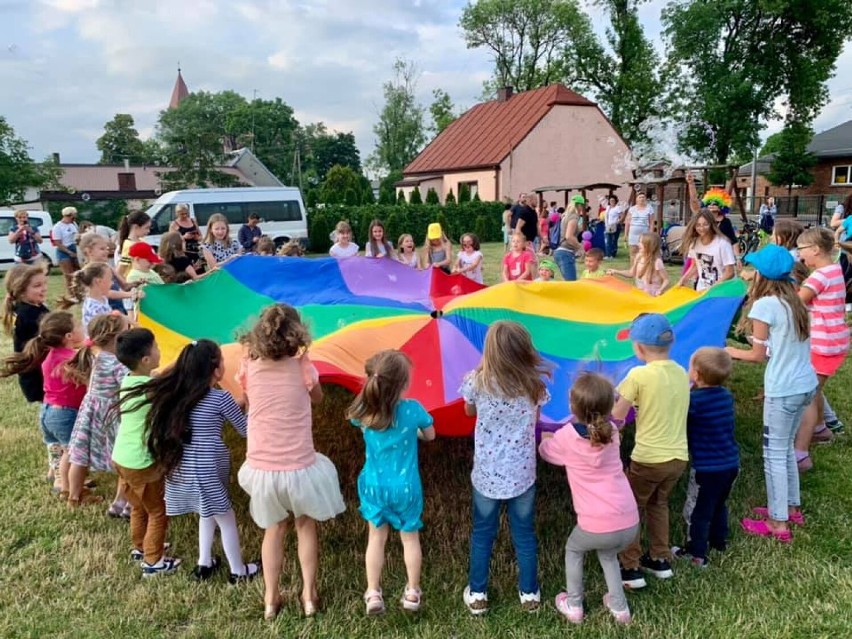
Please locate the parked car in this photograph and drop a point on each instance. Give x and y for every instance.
(40, 221)
(281, 210)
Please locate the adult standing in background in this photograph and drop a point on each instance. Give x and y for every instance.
(65, 239)
(768, 211)
(841, 212)
(569, 247)
(613, 221)
(507, 223)
(188, 230)
(250, 233)
(524, 218)
(639, 219)
(26, 238)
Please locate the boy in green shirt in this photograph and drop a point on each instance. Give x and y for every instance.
(143, 480)
(660, 392)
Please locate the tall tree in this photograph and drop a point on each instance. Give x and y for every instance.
(442, 111)
(730, 61)
(793, 164)
(18, 171)
(625, 78)
(323, 149)
(340, 186)
(526, 38)
(268, 127)
(120, 141)
(400, 131)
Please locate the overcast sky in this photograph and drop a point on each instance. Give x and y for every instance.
(67, 66)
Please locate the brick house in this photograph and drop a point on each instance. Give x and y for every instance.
(518, 142)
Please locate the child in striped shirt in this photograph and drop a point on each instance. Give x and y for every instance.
(824, 293)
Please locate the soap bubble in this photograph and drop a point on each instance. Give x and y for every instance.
(85, 197)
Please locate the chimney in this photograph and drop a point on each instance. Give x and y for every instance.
(504, 93)
(55, 158)
(127, 164)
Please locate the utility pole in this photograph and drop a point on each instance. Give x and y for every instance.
(253, 100)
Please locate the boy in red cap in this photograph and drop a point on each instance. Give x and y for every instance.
(143, 258)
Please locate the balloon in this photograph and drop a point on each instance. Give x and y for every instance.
(587, 235)
(586, 244)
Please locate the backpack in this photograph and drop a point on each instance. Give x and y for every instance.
(27, 248)
(554, 234)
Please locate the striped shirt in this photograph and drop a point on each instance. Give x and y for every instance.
(829, 333)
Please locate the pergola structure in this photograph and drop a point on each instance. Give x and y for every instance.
(582, 188)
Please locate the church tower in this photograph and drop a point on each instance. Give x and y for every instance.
(179, 92)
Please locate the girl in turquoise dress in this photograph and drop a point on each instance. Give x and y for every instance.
(389, 485)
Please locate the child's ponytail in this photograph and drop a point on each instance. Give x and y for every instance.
(592, 398)
(102, 330)
(80, 282)
(387, 378)
(51, 334)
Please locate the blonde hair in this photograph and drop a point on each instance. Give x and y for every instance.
(511, 366)
(291, 249)
(171, 246)
(279, 333)
(713, 365)
(817, 236)
(650, 245)
(86, 242)
(217, 218)
(786, 292)
(343, 227)
(69, 210)
(265, 246)
(18, 279)
(592, 397)
(81, 281)
(388, 373)
(690, 234)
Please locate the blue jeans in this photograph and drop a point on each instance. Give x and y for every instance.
(566, 260)
(56, 424)
(781, 417)
(611, 243)
(486, 521)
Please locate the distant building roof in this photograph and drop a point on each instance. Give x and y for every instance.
(179, 93)
(487, 133)
(835, 142)
(105, 177)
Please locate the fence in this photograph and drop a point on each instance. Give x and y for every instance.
(808, 209)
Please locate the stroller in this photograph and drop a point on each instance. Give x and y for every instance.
(671, 238)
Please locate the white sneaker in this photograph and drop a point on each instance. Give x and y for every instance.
(476, 602)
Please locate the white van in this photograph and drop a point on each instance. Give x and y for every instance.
(281, 210)
(40, 221)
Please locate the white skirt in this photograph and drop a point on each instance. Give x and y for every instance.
(276, 494)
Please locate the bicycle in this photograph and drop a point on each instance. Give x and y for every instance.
(749, 239)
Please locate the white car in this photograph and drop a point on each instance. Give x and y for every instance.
(40, 221)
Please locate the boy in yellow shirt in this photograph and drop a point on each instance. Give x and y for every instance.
(659, 390)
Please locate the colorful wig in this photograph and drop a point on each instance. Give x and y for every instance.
(719, 197)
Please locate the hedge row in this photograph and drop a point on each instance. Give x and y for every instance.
(483, 218)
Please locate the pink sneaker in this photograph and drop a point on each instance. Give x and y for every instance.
(760, 528)
(796, 518)
(574, 614)
(621, 616)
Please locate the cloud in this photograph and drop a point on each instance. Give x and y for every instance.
(74, 64)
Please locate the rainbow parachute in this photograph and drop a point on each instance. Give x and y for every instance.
(359, 306)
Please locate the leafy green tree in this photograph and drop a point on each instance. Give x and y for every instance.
(730, 61)
(400, 197)
(269, 129)
(442, 111)
(341, 186)
(451, 197)
(432, 196)
(400, 131)
(18, 171)
(464, 192)
(415, 197)
(476, 197)
(793, 164)
(322, 149)
(120, 141)
(774, 143)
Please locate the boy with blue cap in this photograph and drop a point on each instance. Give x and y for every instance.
(659, 390)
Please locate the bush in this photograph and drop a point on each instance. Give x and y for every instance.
(432, 196)
(400, 198)
(464, 193)
(451, 198)
(483, 218)
(415, 197)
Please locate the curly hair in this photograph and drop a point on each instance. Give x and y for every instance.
(279, 333)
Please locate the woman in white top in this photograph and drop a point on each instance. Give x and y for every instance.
(64, 236)
(639, 219)
(711, 254)
(613, 219)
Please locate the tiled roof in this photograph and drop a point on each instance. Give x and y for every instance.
(179, 92)
(487, 133)
(99, 177)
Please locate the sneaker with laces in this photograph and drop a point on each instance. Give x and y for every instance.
(660, 568)
(837, 427)
(476, 602)
(632, 579)
(574, 614)
(620, 616)
(166, 566)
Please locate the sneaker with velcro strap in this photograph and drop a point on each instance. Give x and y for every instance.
(166, 566)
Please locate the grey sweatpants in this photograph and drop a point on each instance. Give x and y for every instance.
(607, 545)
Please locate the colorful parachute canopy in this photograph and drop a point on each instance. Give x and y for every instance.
(359, 306)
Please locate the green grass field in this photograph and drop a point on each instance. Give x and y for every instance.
(67, 574)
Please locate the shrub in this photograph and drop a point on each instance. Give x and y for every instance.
(451, 198)
(415, 197)
(432, 196)
(464, 193)
(400, 198)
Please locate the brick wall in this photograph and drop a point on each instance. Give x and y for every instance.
(821, 185)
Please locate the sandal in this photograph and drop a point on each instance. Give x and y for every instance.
(203, 573)
(86, 499)
(126, 511)
(411, 599)
(375, 602)
(270, 612)
(249, 574)
(310, 607)
(760, 528)
(796, 518)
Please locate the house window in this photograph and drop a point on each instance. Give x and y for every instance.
(840, 176)
(472, 186)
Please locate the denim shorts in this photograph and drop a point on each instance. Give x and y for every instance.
(56, 424)
(62, 255)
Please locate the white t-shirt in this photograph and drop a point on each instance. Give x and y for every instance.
(611, 216)
(411, 261)
(350, 250)
(382, 251)
(640, 222)
(466, 260)
(711, 259)
(66, 233)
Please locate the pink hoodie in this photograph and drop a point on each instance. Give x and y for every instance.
(602, 496)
